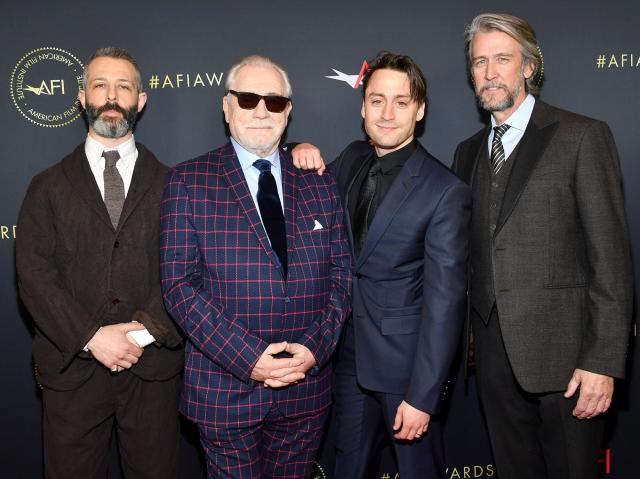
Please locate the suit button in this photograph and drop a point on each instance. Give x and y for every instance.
(115, 301)
(494, 205)
(492, 227)
(494, 184)
(116, 244)
(358, 275)
(287, 299)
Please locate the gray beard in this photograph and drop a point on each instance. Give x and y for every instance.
(109, 129)
(503, 105)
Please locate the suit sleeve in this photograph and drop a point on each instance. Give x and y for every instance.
(323, 334)
(42, 285)
(204, 321)
(154, 317)
(600, 203)
(444, 297)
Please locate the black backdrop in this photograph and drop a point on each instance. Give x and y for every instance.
(592, 63)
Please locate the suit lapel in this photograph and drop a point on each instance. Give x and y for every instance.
(398, 193)
(533, 144)
(143, 176)
(289, 197)
(232, 171)
(469, 174)
(77, 170)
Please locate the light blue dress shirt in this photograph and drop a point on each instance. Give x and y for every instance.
(518, 122)
(252, 174)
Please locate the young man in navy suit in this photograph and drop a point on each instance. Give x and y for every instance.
(408, 219)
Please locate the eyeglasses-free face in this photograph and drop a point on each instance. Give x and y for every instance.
(248, 101)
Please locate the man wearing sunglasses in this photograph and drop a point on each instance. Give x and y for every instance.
(256, 271)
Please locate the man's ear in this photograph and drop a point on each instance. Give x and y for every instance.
(142, 101)
(82, 98)
(225, 107)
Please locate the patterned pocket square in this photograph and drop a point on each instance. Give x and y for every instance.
(317, 225)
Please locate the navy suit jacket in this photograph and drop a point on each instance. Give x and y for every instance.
(224, 287)
(410, 279)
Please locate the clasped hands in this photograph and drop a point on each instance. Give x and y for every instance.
(114, 348)
(282, 372)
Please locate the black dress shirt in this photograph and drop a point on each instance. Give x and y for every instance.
(392, 163)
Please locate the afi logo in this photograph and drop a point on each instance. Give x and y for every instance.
(353, 81)
(47, 88)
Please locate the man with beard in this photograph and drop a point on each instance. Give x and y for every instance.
(105, 349)
(551, 291)
(256, 270)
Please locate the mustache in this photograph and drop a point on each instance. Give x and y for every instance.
(110, 106)
(486, 86)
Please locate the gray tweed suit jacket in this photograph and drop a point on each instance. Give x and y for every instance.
(560, 252)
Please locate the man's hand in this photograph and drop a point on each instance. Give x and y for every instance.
(596, 391)
(291, 375)
(266, 366)
(308, 157)
(112, 347)
(410, 423)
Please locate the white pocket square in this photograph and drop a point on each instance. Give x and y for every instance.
(317, 225)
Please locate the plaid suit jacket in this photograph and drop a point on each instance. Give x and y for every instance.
(223, 285)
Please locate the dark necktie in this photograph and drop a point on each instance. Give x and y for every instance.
(113, 186)
(363, 214)
(271, 211)
(497, 151)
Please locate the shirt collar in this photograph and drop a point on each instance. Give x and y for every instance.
(519, 119)
(397, 159)
(93, 148)
(247, 158)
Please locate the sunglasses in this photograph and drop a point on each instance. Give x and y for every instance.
(248, 101)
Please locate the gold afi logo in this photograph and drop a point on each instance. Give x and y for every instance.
(47, 88)
(44, 87)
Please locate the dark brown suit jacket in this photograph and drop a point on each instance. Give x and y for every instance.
(560, 253)
(77, 273)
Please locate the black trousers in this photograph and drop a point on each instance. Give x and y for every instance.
(533, 436)
(77, 427)
(363, 421)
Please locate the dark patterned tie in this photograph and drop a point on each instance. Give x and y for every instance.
(497, 151)
(363, 215)
(113, 186)
(271, 211)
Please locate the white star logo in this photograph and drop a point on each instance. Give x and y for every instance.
(354, 81)
(349, 79)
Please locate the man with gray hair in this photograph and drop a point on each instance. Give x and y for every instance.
(551, 287)
(256, 270)
(106, 351)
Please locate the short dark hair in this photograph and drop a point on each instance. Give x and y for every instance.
(400, 63)
(112, 52)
